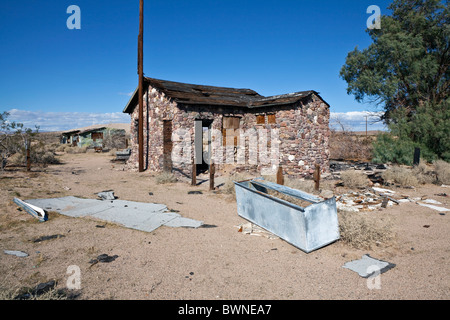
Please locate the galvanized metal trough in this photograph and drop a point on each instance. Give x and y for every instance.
(308, 227)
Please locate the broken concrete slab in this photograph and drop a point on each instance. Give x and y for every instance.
(16, 253)
(368, 266)
(136, 215)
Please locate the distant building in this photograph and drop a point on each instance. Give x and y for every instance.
(96, 137)
(181, 122)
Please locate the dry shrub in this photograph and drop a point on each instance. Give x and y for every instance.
(354, 179)
(300, 184)
(81, 149)
(60, 148)
(442, 169)
(75, 150)
(363, 231)
(165, 177)
(18, 292)
(424, 174)
(348, 146)
(228, 187)
(112, 152)
(400, 175)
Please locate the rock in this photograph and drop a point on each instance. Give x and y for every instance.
(326, 194)
(16, 253)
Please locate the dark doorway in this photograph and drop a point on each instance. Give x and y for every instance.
(203, 144)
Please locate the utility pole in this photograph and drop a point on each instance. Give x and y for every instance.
(141, 89)
(366, 125)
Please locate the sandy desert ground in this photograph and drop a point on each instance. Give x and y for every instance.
(205, 263)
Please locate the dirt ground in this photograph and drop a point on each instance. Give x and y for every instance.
(205, 263)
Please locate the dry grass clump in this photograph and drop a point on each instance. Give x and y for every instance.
(400, 175)
(354, 179)
(302, 185)
(75, 150)
(424, 174)
(442, 169)
(228, 187)
(165, 177)
(364, 231)
(27, 293)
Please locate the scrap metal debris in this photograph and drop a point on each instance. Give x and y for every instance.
(368, 266)
(441, 209)
(35, 211)
(105, 258)
(44, 238)
(255, 230)
(378, 198)
(136, 215)
(107, 195)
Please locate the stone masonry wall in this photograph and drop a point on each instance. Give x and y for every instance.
(301, 132)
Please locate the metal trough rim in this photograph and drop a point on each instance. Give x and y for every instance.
(284, 202)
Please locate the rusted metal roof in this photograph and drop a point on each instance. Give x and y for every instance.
(185, 93)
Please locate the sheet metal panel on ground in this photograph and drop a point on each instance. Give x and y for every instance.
(307, 228)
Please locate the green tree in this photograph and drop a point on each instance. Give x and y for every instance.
(406, 72)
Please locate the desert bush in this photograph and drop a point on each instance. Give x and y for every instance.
(75, 150)
(60, 148)
(347, 146)
(228, 187)
(424, 174)
(400, 175)
(442, 169)
(300, 184)
(354, 179)
(363, 231)
(165, 177)
(38, 155)
(112, 152)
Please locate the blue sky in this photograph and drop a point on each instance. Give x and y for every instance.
(49, 72)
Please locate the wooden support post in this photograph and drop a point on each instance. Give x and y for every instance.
(212, 171)
(194, 173)
(280, 178)
(317, 177)
(28, 157)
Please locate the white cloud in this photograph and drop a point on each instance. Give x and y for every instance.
(129, 94)
(61, 121)
(356, 120)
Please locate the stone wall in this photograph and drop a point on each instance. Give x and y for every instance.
(297, 140)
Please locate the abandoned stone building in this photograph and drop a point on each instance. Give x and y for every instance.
(237, 129)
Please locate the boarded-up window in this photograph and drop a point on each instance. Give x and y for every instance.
(260, 119)
(271, 118)
(230, 130)
(230, 122)
(167, 145)
(97, 136)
